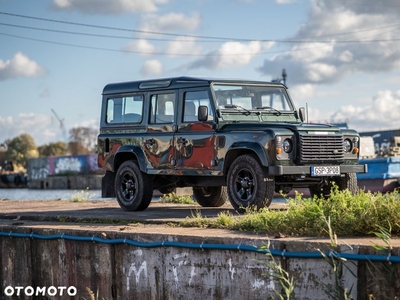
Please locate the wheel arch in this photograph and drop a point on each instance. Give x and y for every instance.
(239, 149)
(128, 152)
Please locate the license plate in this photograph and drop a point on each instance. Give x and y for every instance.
(325, 171)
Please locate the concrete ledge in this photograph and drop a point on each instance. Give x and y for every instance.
(120, 271)
(127, 272)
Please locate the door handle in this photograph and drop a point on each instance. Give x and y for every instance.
(150, 142)
(182, 141)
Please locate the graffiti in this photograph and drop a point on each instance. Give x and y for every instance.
(40, 168)
(39, 173)
(231, 269)
(258, 283)
(183, 268)
(181, 263)
(136, 271)
(67, 164)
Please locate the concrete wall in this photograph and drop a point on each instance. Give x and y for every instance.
(128, 272)
(73, 182)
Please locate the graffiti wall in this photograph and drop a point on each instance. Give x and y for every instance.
(37, 168)
(40, 168)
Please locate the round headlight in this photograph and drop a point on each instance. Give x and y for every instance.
(347, 145)
(287, 145)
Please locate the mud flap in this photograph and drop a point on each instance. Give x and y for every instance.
(107, 185)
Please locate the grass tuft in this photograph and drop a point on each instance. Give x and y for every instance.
(80, 196)
(173, 198)
(361, 214)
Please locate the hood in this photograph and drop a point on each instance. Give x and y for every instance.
(290, 126)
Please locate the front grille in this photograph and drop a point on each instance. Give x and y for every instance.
(321, 148)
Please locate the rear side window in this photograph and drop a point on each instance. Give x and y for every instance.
(162, 108)
(125, 110)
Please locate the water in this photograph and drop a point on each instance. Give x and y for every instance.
(37, 194)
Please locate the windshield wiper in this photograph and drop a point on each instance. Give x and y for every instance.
(236, 107)
(270, 108)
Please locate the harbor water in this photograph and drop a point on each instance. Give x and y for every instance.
(40, 194)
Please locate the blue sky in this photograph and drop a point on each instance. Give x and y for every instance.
(342, 57)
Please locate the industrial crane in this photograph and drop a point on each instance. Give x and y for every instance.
(62, 127)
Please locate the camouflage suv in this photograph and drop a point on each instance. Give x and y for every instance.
(227, 139)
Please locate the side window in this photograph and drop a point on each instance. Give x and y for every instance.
(114, 108)
(192, 101)
(125, 110)
(162, 108)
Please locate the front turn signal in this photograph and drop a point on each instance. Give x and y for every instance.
(355, 150)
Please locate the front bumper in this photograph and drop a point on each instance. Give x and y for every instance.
(306, 170)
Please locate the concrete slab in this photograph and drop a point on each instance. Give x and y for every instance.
(159, 218)
(157, 212)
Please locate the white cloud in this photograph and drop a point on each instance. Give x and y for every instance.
(302, 91)
(346, 56)
(186, 45)
(167, 23)
(231, 54)
(382, 113)
(20, 66)
(315, 115)
(170, 22)
(333, 29)
(143, 46)
(40, 127)
(44, 129)
(93, 123)
(319, 71)
(151, 68)
(107, 6)
(312, 52)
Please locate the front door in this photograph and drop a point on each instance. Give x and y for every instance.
(158, 144)
(194, 141)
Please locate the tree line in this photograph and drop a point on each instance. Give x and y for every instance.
(82, 140)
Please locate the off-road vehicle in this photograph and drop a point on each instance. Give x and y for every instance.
(227, 139)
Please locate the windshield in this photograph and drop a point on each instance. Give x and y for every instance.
(246, 102)
(252, 97)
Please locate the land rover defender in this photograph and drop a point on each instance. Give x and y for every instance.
(227, 139)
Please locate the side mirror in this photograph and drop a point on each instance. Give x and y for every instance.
(202, 113)
(302, 114)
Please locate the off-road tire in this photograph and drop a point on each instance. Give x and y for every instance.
(349, 181)
(248, 184)
(211, 196)
(133, 188)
